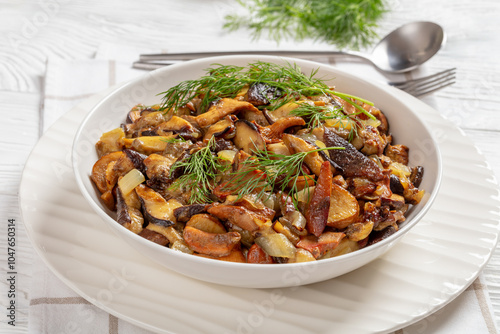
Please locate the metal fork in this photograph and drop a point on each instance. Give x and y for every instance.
(428, 84)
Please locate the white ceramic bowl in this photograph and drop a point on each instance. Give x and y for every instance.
(405, 125)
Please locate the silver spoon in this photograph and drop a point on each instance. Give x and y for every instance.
(403, 50)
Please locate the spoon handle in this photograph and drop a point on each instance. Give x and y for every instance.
(196, 55)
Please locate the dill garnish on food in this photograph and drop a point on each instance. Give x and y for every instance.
(267, 170)
(226, 81)
(345, 23)
(200, 172)
(315, 116)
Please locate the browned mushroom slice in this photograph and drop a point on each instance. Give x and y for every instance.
(398, 153)
(221, 109)
(156, 209)
(373, 142)
(318, 246)
(206, 223)
(99, 170)
(238, 216)
(359, 231)
(128, 210)
(247, 137)
(180, 126)
(110, 141)
(128, 161)
(151, 119)
(185, 212)
(153, 236)
(255, 205)
(236, 255)
(147, 120)
(135, 113)
(224, 128)
(137, 159)
(158, 167)
(214, 244)
(256, 116)
(148, 144)
(257, 255)
(352, 162)
(313, 160)
(273, 133)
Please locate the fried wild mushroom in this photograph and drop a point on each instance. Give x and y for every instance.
(260, 164)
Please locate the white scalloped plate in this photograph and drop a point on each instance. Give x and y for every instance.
(432, 265)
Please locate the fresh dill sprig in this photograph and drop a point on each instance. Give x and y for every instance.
(315, 116)
(345, 23)
(270, 170)
(220, 82)
(174, 140)
(226, 81)
(199, 174)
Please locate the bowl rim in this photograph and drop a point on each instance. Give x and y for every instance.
(112, 223)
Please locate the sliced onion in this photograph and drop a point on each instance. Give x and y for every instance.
(227, 155)
(305, 194)
(372, 122)
(131, 180)
(297, 220)
(339, 123)
(399, 169)
(276, 244)
(320, 144)
(270, 201)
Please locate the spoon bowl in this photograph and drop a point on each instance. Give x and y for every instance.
(408, 47)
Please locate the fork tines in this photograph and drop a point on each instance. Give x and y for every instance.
(429, 84)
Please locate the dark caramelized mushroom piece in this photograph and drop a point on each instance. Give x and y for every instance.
(377, 236)
(352, 162)
(396, 186)
(416, 176)
(155, 237)
(137, 159)
(260, 94)
(128, 211)
(184, 213)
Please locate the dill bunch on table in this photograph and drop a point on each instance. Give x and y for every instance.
(345, 23)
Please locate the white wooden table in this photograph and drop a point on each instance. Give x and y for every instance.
(33, 31)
